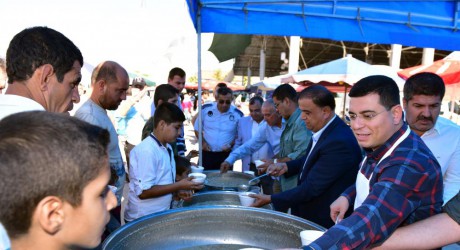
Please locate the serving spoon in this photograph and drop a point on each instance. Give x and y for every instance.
(251, 181)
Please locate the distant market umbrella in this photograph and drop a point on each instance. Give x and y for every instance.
(447, 68)
(226, 47)
(347, 70)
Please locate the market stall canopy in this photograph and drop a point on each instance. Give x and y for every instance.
(448, 69)
(347, 70)
(432, 24)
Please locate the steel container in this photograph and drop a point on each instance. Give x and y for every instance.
(226, 181)
(211, 227)
(220, 198)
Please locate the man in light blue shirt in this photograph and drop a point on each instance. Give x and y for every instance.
(219, 121)
(269, 132)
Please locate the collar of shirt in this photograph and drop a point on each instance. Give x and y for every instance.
(437, 128)
(155, 139)
(315, 136)
(293, 118)
(97, 106)
(379, 152)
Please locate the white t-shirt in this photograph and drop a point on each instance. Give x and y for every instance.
(150, 164)
(11, 104)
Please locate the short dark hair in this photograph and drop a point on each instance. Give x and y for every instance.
(424, 83)
(37, 46)
(224, 91)
(182, 164)
(176, 72)
(164, 92)
(169, 113)
(384, 86)
(320, 96)
(285, 91)
(255, 99)
(58, 157)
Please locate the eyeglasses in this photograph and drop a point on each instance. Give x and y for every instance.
(226, 102)
(368, 116)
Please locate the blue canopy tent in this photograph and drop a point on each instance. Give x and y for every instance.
(432, 24)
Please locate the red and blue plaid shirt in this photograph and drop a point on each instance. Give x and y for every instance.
(404, 188)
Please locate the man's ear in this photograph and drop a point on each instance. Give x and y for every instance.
(397, 112)
(46, 71)
(49, 214)
(101, 85)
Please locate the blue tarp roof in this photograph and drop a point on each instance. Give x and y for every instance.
(430, 24)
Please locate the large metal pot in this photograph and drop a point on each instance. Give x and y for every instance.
(227, 181)
(213, 227)
(221, 198)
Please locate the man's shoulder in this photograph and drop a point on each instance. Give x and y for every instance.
(10, 104)
(245, 119)
(148, 145)
(447, 126)
(207, 106)
(236, 111)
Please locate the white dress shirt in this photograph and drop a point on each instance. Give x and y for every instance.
(444, 141)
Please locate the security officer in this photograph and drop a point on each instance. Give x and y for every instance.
(219, 122)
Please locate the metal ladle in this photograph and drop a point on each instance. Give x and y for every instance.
(250, 182)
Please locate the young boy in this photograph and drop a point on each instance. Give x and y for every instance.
(54, 174)
(152, 167)
(182, 171)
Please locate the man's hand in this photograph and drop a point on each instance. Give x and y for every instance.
(191, 154)
(224, 167)
(338, 209)
(261, 200)
(262, 168)
(277, 169)
(188, 184)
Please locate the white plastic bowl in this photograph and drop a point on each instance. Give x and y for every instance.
(245, 199)
(308, 236)
(197, 169)
(198, 177)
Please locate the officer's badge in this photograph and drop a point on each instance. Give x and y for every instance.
(210, 113)
(232, 117)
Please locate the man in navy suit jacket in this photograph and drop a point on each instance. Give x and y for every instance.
(329, 166)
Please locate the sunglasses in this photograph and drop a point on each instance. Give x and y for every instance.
(223, 101)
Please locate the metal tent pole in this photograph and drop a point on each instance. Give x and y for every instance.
(200, 127)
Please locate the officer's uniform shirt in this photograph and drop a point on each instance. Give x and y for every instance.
(219, 129)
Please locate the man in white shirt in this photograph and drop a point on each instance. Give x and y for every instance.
(44, 70)
(423, 95)
(247, 128)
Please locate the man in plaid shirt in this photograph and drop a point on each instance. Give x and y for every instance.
(399, 181)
